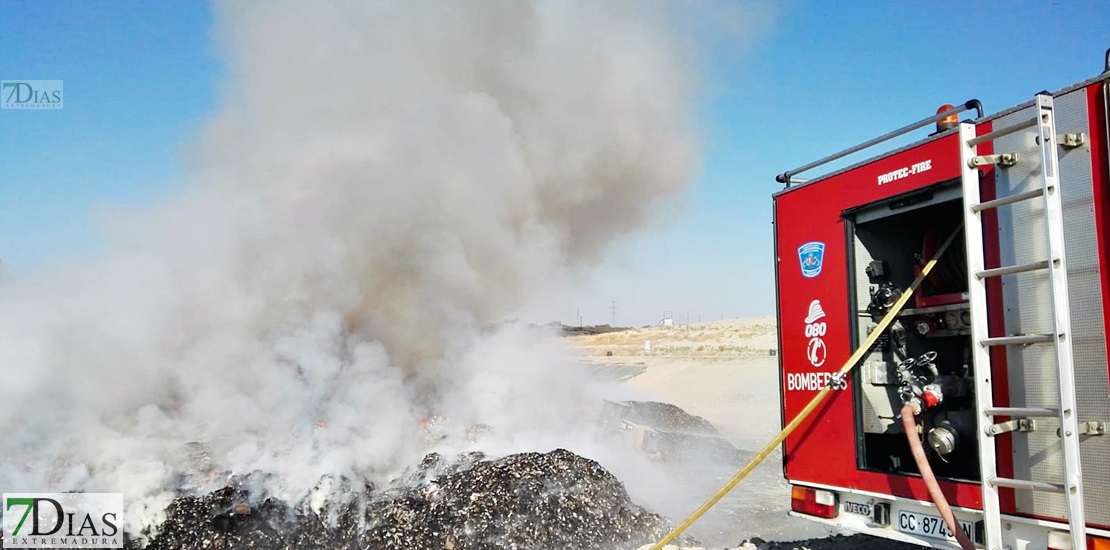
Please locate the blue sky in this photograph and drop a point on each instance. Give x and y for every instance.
(799, 80)
(138, 77)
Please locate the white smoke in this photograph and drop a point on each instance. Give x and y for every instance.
(384, 186)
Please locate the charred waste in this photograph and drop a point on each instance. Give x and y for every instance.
(528, 500)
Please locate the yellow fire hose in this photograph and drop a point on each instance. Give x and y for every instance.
(817, 399)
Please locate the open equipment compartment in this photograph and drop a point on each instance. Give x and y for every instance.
(925, 355)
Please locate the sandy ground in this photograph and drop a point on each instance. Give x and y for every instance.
(723, 372)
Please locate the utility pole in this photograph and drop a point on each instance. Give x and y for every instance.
(578, 312)
(614, 308)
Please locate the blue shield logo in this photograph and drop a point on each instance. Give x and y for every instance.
(811, 255)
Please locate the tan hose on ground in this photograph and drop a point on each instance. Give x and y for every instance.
(817, 399)
(910, 426)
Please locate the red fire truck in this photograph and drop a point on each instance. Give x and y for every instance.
(1000, 354)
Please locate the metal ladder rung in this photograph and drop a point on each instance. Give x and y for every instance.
(1026, 484)
(1010, 270)
(1016, 340)
(991, 136)
(1018, 197)
(1021, 412)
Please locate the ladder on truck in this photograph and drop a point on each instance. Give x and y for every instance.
(1044, 127)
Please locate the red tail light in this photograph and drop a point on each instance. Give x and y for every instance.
(1098, 543)
(1061, 540)
(813, 502)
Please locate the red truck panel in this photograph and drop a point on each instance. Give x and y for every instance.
(823, 449)
(1100, 173)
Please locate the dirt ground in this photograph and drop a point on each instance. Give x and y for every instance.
(724, 373)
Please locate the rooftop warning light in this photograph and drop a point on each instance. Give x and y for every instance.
(948, 122)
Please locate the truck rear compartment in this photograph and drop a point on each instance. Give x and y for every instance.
(849, 242)
(890, 240)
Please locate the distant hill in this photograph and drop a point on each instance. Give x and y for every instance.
(591, 330)
(729, 338)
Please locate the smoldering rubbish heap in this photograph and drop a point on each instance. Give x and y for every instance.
(523, 501)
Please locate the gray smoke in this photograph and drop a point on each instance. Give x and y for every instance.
(384, 186)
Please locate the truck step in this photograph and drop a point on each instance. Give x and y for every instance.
(1026, 484)
(1011, 269)
(1003, 132)
(1021, 412)
(1017, 197)
(1020, 339)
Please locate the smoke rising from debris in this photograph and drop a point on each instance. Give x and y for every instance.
(384, 185)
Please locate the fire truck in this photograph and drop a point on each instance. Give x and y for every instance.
(996, 366)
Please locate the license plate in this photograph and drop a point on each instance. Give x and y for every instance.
(931, 526)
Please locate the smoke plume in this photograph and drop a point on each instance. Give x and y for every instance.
(384, 186)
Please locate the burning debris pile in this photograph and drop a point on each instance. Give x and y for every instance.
(671, 418)
(667, 432)
(529, 500)
(338, 263)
